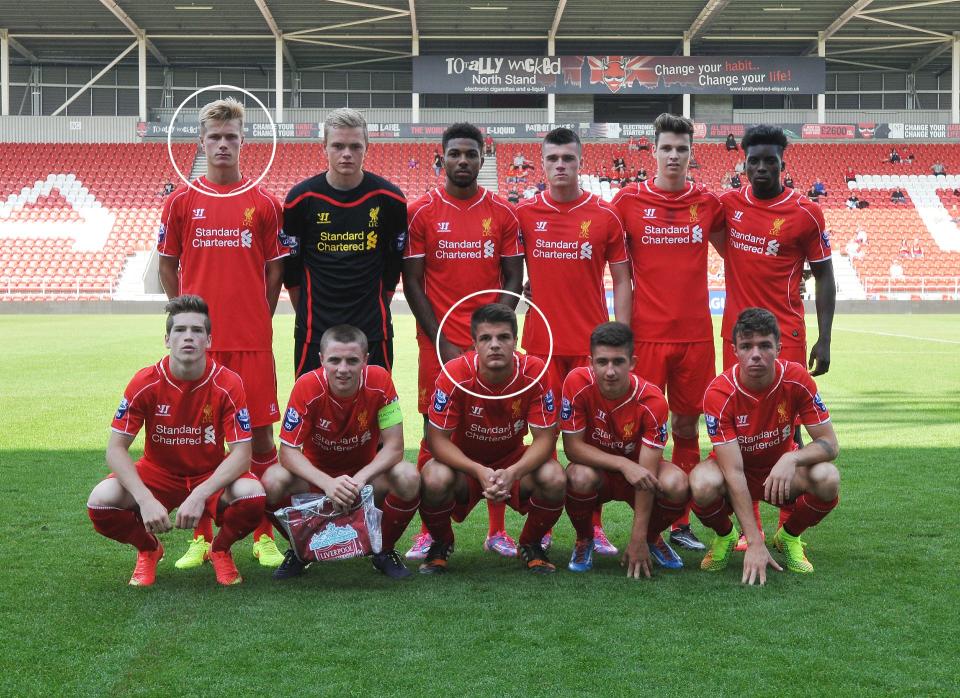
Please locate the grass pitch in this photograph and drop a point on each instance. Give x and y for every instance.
(879, 616)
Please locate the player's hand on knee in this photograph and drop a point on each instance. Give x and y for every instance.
(776, 488)
(636, 559)
(156, 518)
(343, 491)
(755, 562)
(640, 478)
(189, 513)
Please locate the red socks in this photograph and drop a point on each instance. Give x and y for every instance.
(259, 462)
(715, 515)
(581, 508)
(396, 516)
(204, 527)
(809, 510)
(541, 516)
(238, 521)
(437, 521)
(663, 514)
(496, 511)
(597, 518)
(123, 525)
(686, 455)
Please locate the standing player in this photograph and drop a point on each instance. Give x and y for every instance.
(474, 447)
(751, 409)
(614, 429)
(229, 250)
(335, 420)
(669, 223)
(190, 405)
(349, 228)
(771, 232)
(463, 238)
(569, 237)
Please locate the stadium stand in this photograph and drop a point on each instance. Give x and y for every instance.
(71, 214)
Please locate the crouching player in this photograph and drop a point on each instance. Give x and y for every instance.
(190, 405)
(336, 417)
(614, 429)
(750, 410)
(474, 446)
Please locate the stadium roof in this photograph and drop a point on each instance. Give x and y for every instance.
(382, 34)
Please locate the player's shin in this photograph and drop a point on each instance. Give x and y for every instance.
(663, 514)
(122, 525)
(238, 521)
(580, 508)
(686, 455)
(204, 528)
(541, 517)
(809, 510)
(397, 514)
(437, 520)
(715, 515)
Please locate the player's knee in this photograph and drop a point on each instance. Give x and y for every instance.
(405, 480)
(825, 481)
(706, 482)
(674, 484)
(437, 481)
(552, 480)
(582, 478)
(107, 493)
(246, 487)
(275, 482)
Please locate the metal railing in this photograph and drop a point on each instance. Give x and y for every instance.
(12, 289)
(910, 287)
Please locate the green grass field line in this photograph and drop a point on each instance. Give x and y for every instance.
(878, 616)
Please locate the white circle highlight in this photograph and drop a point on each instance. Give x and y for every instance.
(546, 364)
(173, 120)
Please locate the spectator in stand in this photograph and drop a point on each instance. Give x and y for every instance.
(861, 236)
(513, 196)
(731, 142)
(917, 250)
(904, 249)
(853, 202)
(642, 174)
(644, 144)
(896, 271)
(167, 189)
(604, 177)
(413, 163)
(788, 182)
(897, 196)
(619, 166)
(910, 158)
(520, 163)
(738, 168)
(735, 180)
(693, 165)
(529, 192)
(938, 169)
(894, 156)
(819, 187)
(541, 186)
(633, 144)
(489, 147)
(725, 182)
(437, 163)
(849, 175)
(853, 250)
(813, 195)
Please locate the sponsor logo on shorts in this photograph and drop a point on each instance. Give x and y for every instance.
(818, 401)
(243, 419)
(713, 424)
(548, 403)
(291, 420)
(440, 400)
(566, 409)
(122, 409)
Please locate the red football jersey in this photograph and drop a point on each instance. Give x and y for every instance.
(224, 244)
(487, 429)
(767, 244)
(614, 426)
(338, 435)
(668, 235)
(461, 242)
(762, 423)
(187, 421)
(567, 247)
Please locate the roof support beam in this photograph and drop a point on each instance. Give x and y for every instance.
(415, 51)
(711, 10)
(134, 28)
(4, 72)
(885, 47)
(352, 47)
(907, 6)
(908, 27)
(341, 25)
(345, 64)
(865, 65)
(275, 29)
(96, 77)
(840, 21)
(557, 16)
(22, 50)
(924, 61)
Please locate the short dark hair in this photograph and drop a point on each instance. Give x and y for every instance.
(764, 134)
(562, 136)
(671, 123)
(187, 304)
(462, 130)
(345, 334)
(493, 313)
(612, 334)
(756, 321)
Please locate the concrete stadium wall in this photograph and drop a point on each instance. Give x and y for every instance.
(68, 129)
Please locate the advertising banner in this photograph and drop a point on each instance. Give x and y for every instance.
(619, 74)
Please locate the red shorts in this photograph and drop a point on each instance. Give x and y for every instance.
(427, 373)
(171, 490)
(755, 478)
(614, 487)
(683, 370)
(462, 509)
(559, 367)
(258, 371)
(794, 352)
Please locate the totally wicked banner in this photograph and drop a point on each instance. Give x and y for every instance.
(619, 74)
